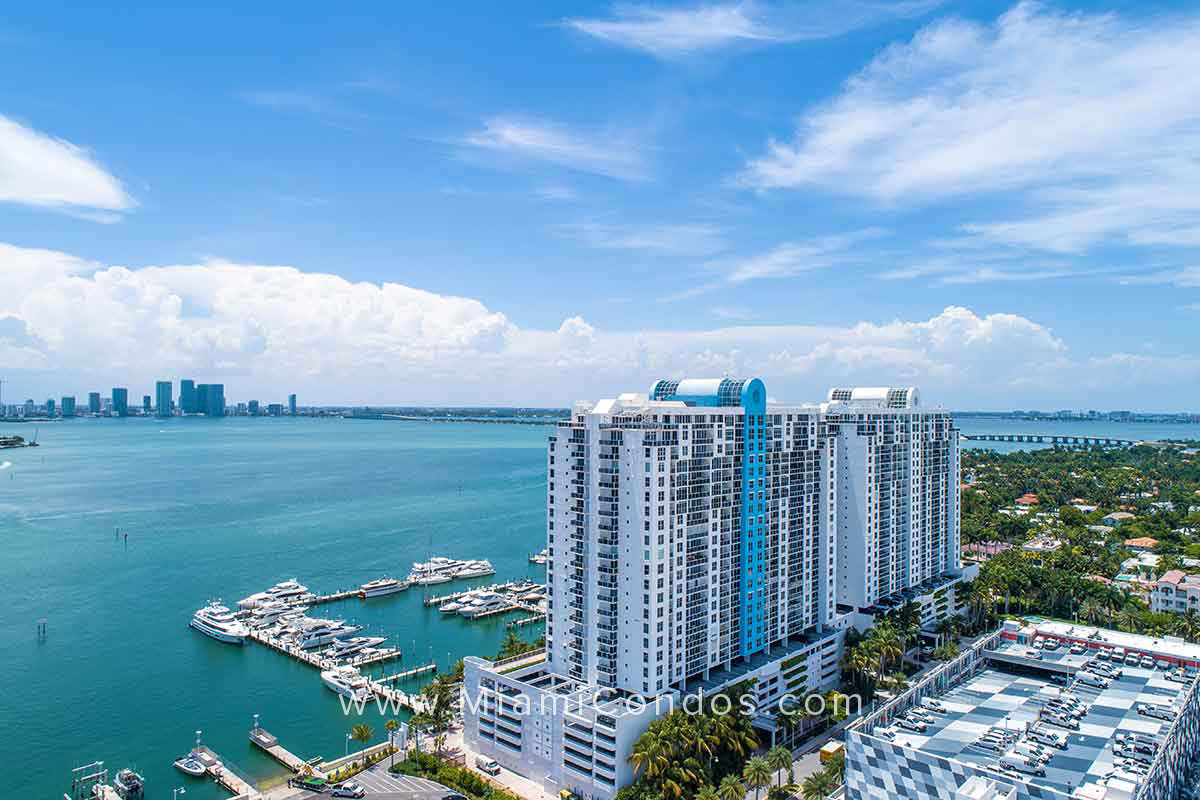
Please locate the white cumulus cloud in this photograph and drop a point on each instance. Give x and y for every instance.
(263, 329)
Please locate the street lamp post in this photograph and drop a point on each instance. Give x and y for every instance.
(176, 792)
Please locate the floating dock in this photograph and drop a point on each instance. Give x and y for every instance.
(516, 623)
(316, 660)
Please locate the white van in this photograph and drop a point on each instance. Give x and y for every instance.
(1092, 679)
(488, 765)
(1022, 764)
(1031, 751)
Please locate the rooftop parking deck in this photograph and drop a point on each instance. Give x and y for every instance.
(1013, 698)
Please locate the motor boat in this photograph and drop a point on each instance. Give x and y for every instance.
(217, 621)
(190, 765)
(347, 682)
(485, 604)
(473, 569)
(343, 648)
(271, 613)
(129, 784)
(381, 586)
(316, 632)
(540, 558)
(289, 591)
(429, 578)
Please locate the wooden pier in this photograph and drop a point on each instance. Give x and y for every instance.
(399, 676)
(226, 778)
(275, 750)
(316, 660)
(516, 623)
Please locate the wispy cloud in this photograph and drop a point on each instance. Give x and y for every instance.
(555, 192)
(1185, 277)
(40, 170)
(302, 101)
(680, 240)
(611, 153)
(1088, 121)
(680, 32)
(793, 258)
(737, 313)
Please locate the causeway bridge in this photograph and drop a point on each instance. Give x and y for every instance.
(1052, 438)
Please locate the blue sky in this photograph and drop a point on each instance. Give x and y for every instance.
(523, 203)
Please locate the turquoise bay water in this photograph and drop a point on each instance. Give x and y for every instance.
(224, 508)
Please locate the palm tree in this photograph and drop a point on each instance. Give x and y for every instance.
(817, 786)
(779, 759)
(707, 792)
(392, 726)
(362, 733)
(757, 774)
(650, 753)
(731, 789)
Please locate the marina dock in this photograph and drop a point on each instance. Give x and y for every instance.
(318, 661)
(517, 623)
(399, 676)
(271, 746)
(226, 778)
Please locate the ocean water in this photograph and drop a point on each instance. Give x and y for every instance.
(224, 508)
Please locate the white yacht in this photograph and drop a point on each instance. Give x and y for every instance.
(347, 682)
(473, 569)
(428, 578)
(343, 648)
(540, 558)
(271, 613)
(289, 591)
(316, 632)
(217, 621)
(485, 603)
(381, 586)
(451, 606)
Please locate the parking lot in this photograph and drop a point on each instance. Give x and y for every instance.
(382, 785)
(1011, 699)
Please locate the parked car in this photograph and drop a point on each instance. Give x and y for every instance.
(1156, 711)
(1078, 649)
(933, 705)
(907, 724)
(488, 765)
(349, 789)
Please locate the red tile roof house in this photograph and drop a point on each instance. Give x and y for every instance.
(1141, 544)
(1028, 500)
(1176, 592)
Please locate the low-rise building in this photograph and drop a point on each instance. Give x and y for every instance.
(1117, 518)
(1141, 544)
(1176, 592)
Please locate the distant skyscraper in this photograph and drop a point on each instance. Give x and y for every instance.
(68, 406)
(187, 397)
(253, 408)
(275, 409)
(292, 404)
(50, 407)
(210, 399)
(146, 404)
(120, 401)
(93, 402)
(162, 398)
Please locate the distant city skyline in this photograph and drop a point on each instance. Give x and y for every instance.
(970, 195)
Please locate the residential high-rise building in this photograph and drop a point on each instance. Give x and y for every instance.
(252, 407)
(120, 402)
(210, 399)
(897, 489)
(693, 535)
(50, 407)
(275, 409)
(93, 402)
(146, 404)
(292, 405)
(162, 398)
(68, 406)
(187, 397)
